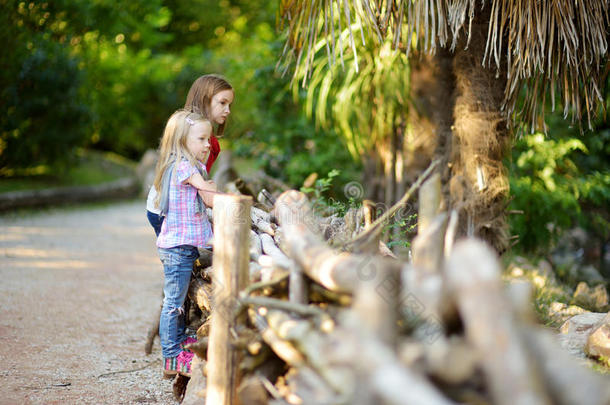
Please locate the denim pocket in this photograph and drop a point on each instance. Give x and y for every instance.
(178, 255)
(169, 257)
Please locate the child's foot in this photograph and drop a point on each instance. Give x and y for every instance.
(181, 364)
(188, 341)
(184, 363)
(170, 367)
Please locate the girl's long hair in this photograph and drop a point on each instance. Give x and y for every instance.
(173, 144)
(199, 98)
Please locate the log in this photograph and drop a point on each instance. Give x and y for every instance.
(376, 364)
(196, 389)
(305, 386)
(301, 335)
(451, 232)
(337, 271)
(269, 248)
(450, 360)
(230, 261)
(363, 220)
(256, 248)
(282, 348)
(200, 348)
(297, 287)
(369, 211)
(252, 392)
(346, 357)
(117, 189)
(263, 284)
(205, 258)
(304, 310)
(376, 301)
(244, 188)
(568, 380)
(201, 293)
(265, 198)
(254, 269)
(271, 269)
(262, 221)
(429, 202)
(275, 184)
(426, 278)
(428, 246)
(473, 274)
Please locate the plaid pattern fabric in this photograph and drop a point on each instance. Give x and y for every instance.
(183, 225)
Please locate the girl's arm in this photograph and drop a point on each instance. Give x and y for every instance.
(205, 188)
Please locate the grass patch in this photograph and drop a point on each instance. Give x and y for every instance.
(90, 168)
(552, 298)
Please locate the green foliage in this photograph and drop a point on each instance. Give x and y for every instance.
(366, 98)
(321, 185)
(400, 233)
(106, 75)
(321, 196)
(286, 144)
(559, 183)
(43, 118)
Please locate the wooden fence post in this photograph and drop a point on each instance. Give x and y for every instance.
(428, 246)
(230, 276)
(429, 202)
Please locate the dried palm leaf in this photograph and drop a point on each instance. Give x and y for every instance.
(558, 47)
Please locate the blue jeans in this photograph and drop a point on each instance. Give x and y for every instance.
(177, 266)
(155, 221)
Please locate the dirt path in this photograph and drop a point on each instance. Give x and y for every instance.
(78, 290)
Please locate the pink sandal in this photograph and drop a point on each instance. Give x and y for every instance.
(181, 364)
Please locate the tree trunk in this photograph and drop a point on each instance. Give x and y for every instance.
(479, 184)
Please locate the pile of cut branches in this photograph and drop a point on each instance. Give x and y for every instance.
(313, 324)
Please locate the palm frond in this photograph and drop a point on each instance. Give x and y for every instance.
(558, 47)
(365, 99)
(550, 45)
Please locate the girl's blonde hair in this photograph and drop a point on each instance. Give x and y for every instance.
(199, 98)
(173, 144)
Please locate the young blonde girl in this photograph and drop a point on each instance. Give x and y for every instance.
(183, 194)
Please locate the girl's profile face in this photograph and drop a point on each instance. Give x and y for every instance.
(220, 107)
(198, 139)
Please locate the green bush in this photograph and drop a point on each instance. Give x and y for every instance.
(45, 118)
(560, 183)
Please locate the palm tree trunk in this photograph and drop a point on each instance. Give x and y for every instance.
(479, 183)
(442, 113)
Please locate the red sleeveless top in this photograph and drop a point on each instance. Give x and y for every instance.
(214, 152)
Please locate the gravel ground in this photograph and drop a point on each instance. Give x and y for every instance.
(79, 288)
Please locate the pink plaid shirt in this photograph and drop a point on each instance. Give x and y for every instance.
(183, 225)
